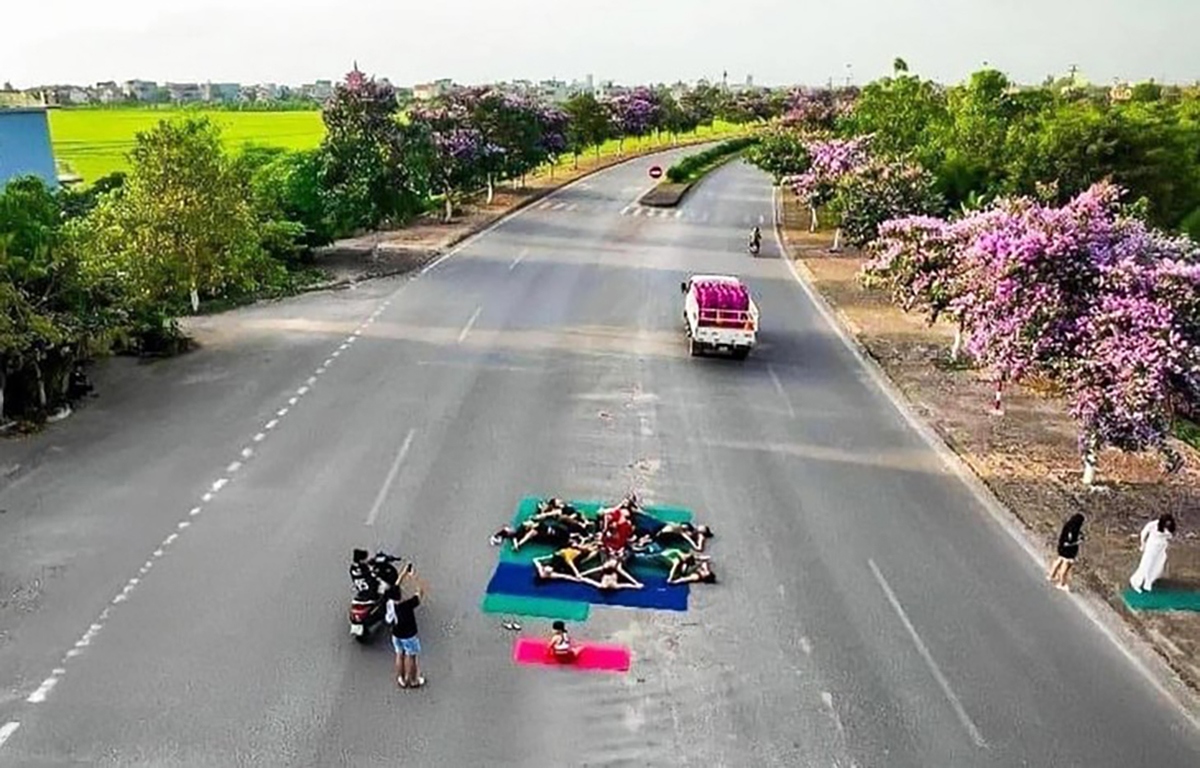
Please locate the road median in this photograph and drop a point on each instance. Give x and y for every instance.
(690, 170)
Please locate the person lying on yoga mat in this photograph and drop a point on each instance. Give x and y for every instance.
(564, 563)
(645, 548)
(549, 532)
(559, 511)
(688, 567)
(692, 535)
(611, 573)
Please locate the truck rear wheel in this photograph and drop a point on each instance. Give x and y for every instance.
(695, 348)
(740, 353)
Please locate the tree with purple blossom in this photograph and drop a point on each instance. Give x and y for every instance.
(1085, 293)
(879, 190)
(810, 109)
(915, 259)
(829, 161)
(457, 154)
(634, 113)
(365, 153)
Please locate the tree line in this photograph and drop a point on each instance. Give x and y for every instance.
(192, 225)
(1052, 225)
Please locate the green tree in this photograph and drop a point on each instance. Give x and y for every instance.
(701, 103)
(590, 124)
(49, 314)
(1147, 92)
(905, 113)
(780, 152)
(182, 230)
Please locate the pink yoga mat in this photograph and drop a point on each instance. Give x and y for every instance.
(595, 656)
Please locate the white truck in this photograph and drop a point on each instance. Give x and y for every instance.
(719, 314)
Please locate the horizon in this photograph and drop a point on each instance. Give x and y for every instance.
(472, 42)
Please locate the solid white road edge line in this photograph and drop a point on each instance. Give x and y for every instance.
(391, 478)
(922, 649)
(1179, 694)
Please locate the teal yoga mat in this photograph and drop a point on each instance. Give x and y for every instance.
(1163, 599)
(542, 607)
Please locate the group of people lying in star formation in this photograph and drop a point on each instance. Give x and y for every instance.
(598, 551)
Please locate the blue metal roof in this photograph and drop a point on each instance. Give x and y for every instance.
(25, 146)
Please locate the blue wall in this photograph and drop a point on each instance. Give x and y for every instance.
(25, 145)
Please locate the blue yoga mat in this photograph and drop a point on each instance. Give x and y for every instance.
(520, 579)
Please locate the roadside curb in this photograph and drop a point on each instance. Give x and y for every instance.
(1136, 648)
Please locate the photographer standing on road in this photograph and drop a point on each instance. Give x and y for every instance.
(402, 618)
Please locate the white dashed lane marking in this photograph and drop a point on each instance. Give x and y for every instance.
(391, 477)
(43, 690)
(7, 730)
(470, 324)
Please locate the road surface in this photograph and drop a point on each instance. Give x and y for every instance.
(173, 557)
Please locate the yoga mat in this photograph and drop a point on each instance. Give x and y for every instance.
(1163, 599)
(543, 607)
(519, 579)
(593, 656)
(528, 505)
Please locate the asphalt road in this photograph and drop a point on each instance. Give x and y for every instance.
(869, 612)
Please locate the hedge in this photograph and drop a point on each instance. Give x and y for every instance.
(693, 166)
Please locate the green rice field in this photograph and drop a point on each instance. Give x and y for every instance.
(94, 142)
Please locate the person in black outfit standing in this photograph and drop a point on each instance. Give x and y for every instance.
(1069, 540)
(401, 615)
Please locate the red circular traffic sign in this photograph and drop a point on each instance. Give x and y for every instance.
(655, 172)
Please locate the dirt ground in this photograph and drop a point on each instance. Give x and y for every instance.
(1028, 456)
(379, 254)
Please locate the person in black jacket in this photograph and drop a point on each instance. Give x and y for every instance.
(1069, 540)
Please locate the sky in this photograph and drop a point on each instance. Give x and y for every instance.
(630, 41)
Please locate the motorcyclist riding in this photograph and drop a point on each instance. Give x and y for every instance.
(755, 238)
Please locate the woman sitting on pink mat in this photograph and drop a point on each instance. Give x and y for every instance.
(561, 647)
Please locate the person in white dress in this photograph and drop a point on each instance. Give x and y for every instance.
(1155, 537)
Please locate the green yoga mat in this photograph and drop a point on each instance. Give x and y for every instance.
(1163, 599)
(543, 607)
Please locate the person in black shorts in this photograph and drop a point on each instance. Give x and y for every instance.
(546, 531)
(563, 513)
(1069, 539)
